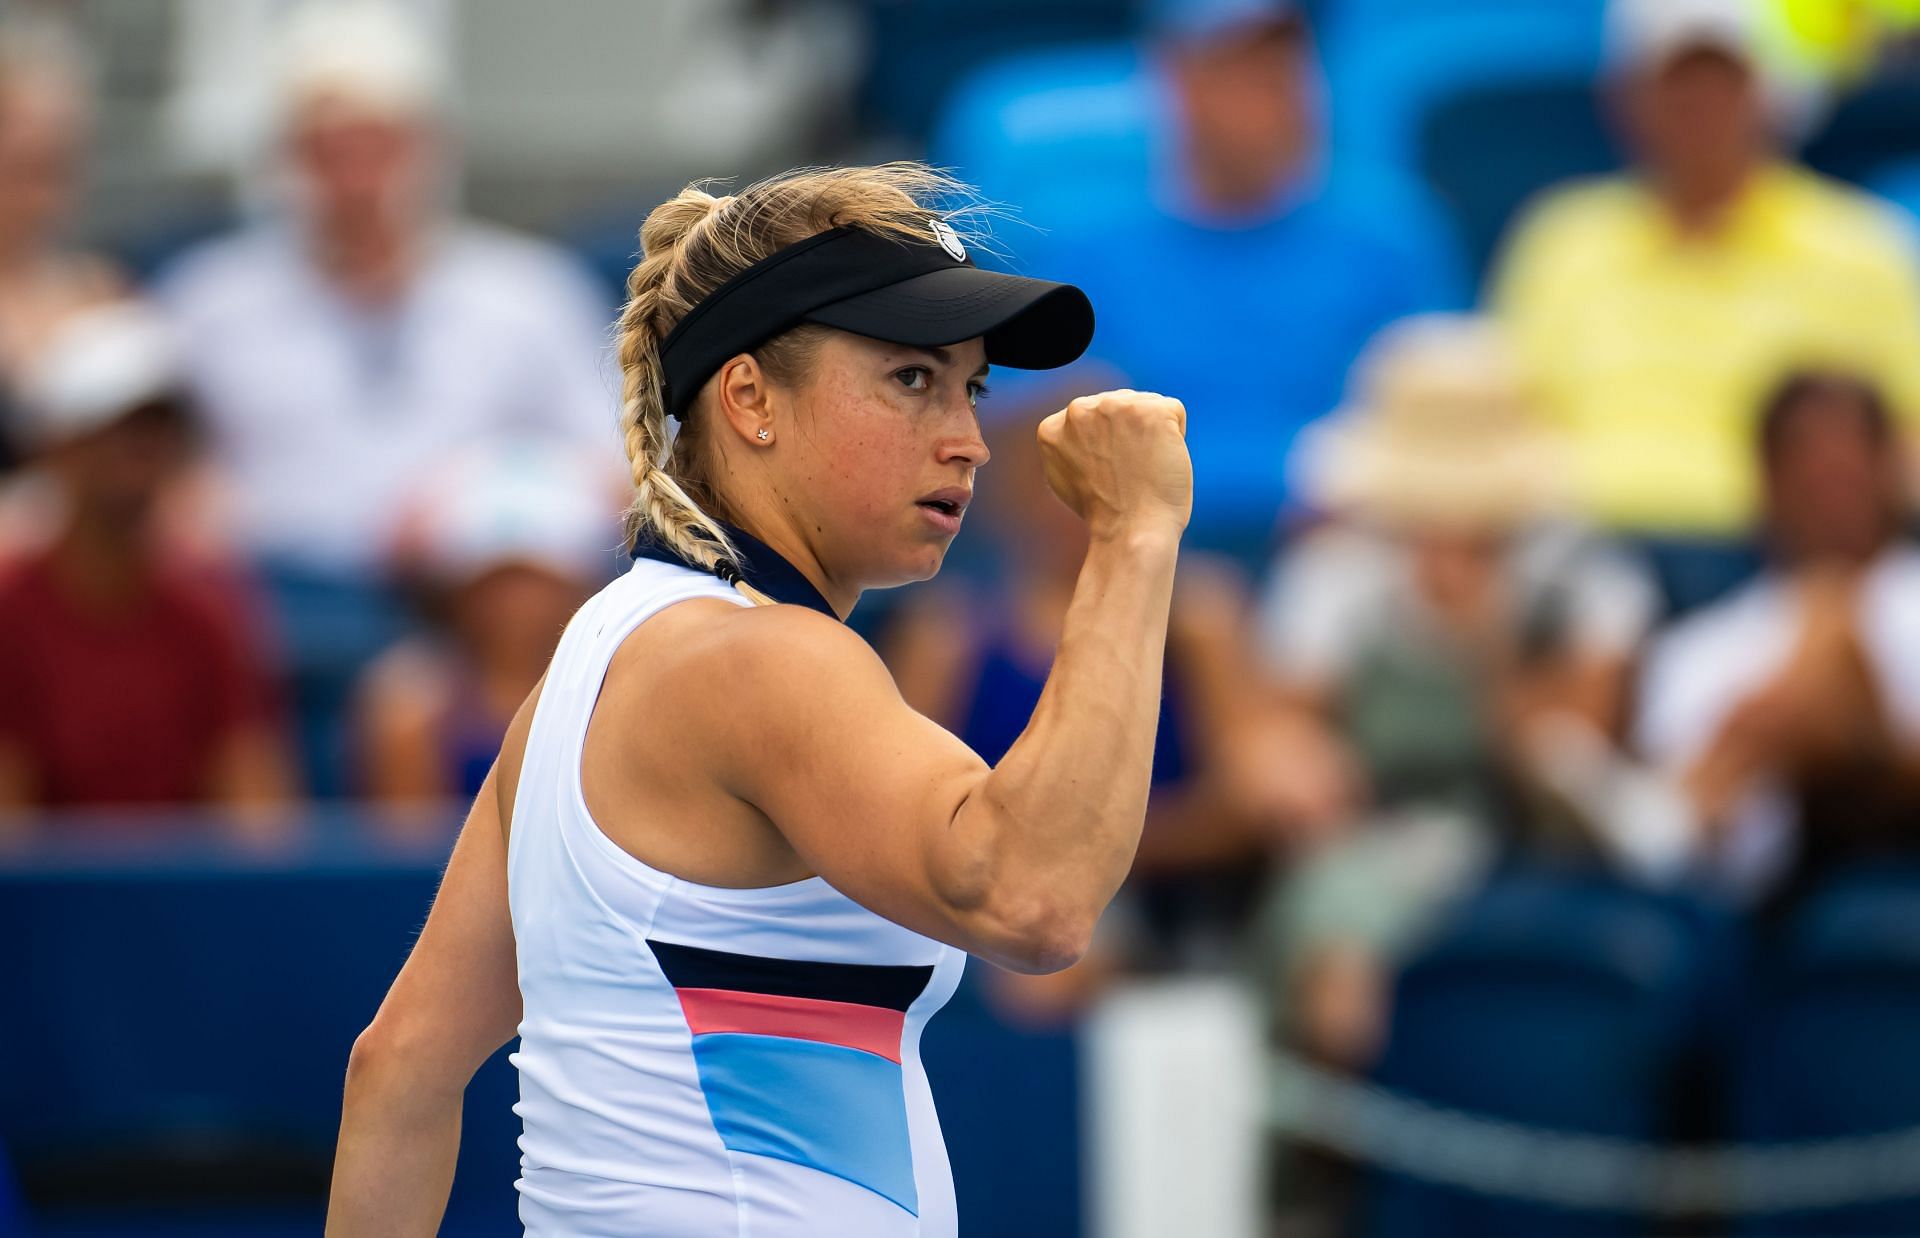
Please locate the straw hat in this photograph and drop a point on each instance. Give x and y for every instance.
(1442, 433)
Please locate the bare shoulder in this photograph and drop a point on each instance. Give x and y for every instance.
(707, 706)
(710, 653)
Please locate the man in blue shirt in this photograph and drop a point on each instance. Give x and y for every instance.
(1240, 271)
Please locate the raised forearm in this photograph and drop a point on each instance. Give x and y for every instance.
(1057, 821)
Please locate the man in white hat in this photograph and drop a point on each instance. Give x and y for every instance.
(1657, 307)
(126, 678)
(344, 348)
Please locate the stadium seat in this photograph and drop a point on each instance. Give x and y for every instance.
(328, 631)
(919, 50)
(1016, 1173)
(1830, 1029)
(1053, 130)
(1562, 1001)
(1489, 104)
(1869, 129)
(1487, 151)
(1899, 183)
(188, 1222)
(1345, 23)
(12, 1212)
(1386, 87)
(1697, 572)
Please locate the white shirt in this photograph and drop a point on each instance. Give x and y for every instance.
(323, 413)
(696, 1060)
(1701, 670)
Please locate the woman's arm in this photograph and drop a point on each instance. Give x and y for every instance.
(455, 1002)
(1014, 863)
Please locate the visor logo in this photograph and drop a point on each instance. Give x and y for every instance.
(949, 240)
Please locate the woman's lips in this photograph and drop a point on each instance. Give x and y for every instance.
(945, 508)
(944, 519)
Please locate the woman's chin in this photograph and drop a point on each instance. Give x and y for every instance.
(920, 562)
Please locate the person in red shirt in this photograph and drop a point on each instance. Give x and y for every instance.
(127, 677)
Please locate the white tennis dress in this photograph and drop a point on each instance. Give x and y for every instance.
(700, 1061)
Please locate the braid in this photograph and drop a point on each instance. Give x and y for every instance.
(660, 506)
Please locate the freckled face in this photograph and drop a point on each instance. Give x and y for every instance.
(880, 455)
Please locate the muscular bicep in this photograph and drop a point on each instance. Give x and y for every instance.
(865, 789)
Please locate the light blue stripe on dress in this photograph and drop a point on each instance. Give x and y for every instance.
(841, 1111)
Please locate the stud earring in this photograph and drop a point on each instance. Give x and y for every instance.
(765, 435)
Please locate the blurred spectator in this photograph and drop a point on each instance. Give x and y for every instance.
(43, 132)
(1790, 712)
(976, 661)
(509, 541)
(344, 349)
(1441, 615)
(1660, 305)
(1245, 279)
(126, 678)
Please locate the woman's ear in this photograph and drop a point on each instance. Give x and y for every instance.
(746, 399)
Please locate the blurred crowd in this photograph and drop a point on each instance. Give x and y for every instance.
(1594, 546)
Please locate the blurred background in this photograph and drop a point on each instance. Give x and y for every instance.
(1535, 841)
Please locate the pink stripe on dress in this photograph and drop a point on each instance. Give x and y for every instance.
(870, 1028)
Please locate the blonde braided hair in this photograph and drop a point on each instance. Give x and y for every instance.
(693, 243)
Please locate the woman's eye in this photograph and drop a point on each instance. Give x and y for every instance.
(914, 377)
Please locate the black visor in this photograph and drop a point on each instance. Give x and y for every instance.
(928, 295)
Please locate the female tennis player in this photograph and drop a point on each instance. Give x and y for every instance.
(721, 875)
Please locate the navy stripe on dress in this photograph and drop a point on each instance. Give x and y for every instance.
(890, 987)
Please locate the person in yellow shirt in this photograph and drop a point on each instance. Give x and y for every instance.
(1657, 308)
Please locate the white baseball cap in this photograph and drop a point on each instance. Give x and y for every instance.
(519, 500)
(1646, 33)
(100, 365)
(368, 52)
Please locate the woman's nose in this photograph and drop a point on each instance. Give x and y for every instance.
(966, 446)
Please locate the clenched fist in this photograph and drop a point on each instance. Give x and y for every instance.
(1119, 459)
